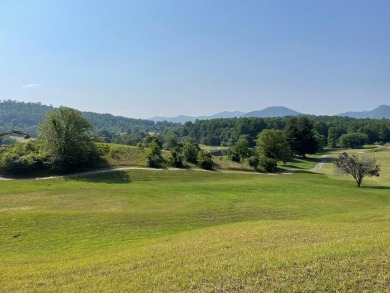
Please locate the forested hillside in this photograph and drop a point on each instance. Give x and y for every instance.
(27, 116)
(20, 115)
(329, 129)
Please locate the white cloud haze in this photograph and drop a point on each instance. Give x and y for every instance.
(29, 85)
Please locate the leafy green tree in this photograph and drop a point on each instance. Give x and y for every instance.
(153, 155)
(240, 150)
(357, 167)
(301, 137)
(332, 137)
(190, 152)
(272, 143)
(205, 160)
(128, 139)
(383, 132)
(353, 140)
(150, 139)
(171, 140)
(104, 136)
(64, 137)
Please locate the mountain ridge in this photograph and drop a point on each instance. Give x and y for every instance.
(382, 111)
(274, 111)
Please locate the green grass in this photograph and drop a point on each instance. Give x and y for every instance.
(210, 148)
(180, 231)
(123, 155)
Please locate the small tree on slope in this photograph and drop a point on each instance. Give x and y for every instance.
(357, 167)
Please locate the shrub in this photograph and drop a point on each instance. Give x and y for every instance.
(205, 160)
(11, 165)
(190, 152)
(153, 155)
(268, 164)
(253, 161)
(176, 159)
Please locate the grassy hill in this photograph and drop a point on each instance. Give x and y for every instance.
(199, 231)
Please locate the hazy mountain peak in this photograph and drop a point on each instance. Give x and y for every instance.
(276, 111)
(382, 111)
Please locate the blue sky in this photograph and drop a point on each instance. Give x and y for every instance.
(145, 58)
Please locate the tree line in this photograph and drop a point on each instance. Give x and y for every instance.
(330, 131)
(66, 142)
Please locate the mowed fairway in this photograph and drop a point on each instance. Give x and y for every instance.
(180, 231)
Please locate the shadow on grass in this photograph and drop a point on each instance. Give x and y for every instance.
(114, 177)
(300, 171)
(375, 187)
(291, 166)
(304, 159)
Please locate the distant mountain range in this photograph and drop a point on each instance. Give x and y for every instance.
(382, 111)
(267, 112)
(184, 118)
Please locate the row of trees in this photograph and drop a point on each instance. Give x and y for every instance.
(180, 151)
(273, 145)
(328, 130)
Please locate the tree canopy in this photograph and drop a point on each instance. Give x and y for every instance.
(353, 140)
(64, 136)
(240, 150)
(273, 144)
(301, 137)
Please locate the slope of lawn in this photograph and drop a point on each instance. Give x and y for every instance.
(199, 231)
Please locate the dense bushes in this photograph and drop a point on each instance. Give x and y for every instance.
(22, 159)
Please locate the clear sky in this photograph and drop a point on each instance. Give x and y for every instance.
(197, 57)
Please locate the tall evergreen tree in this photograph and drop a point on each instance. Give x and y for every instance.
(301, 137)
